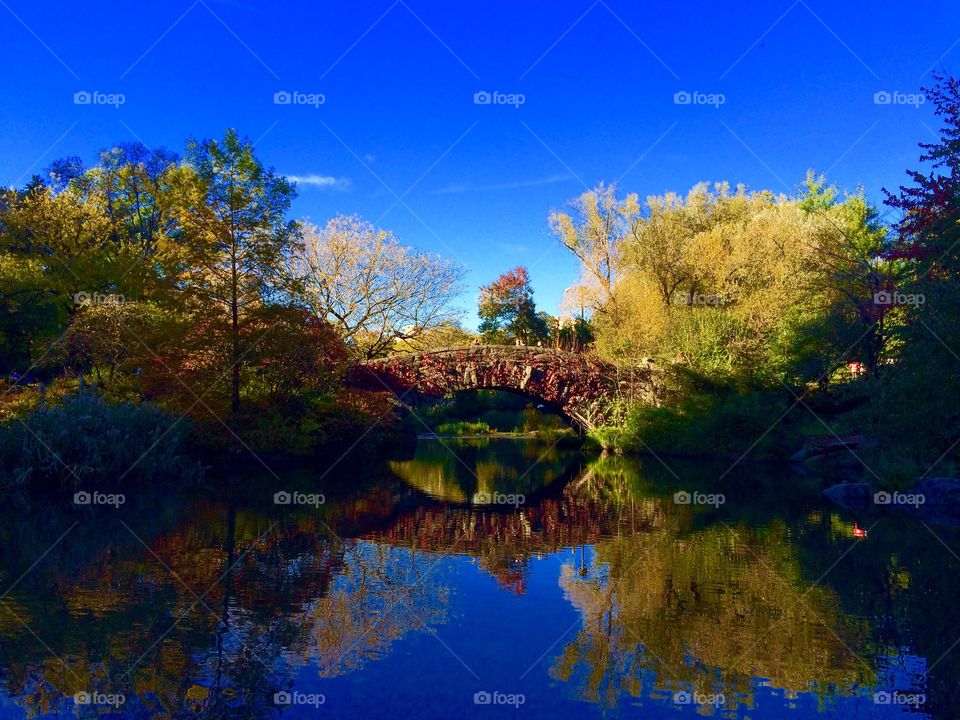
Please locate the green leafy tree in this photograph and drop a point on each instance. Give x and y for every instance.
(851, 272)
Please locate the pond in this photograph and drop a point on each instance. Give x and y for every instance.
(477, 579)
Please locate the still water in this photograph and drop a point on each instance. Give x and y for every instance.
(478, 579)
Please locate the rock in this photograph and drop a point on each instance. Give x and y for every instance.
(934, 499)
(851, 494)
(939, 491)
(817, 446)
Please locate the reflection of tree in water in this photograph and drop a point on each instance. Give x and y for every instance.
(667, 602)
(669, 598)
(227, 594)
(103, 617)
(705, 609)
(470, 471)
(381, 594)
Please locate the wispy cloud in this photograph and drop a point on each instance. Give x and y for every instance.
(320, 181)
(469, 187)
(513, 248)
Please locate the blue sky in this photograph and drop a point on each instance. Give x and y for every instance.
(399, 139)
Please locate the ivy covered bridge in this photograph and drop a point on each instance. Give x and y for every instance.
(580, 388)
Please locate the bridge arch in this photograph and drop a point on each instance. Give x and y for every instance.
(579, 387)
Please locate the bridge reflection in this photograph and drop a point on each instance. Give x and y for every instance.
(667, 596)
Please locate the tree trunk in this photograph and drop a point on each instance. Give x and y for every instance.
(235, 332)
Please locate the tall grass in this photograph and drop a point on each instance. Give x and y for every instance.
(85, 439)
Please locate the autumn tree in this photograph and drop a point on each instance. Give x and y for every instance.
(75, 231)
(594, 230)
(444, 335)
(53, 244)
(63, 232)
(375, 291)
(233, 218)
(135, 187)
(923, 384)
(507, 310)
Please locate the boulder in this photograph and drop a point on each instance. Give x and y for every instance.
(851, 494)
(939, 491)
(814, 447)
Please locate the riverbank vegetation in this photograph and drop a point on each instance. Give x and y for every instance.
(491, 412)
(773, 317)
(178, 287)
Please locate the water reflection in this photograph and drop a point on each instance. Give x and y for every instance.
(481, 471)
(213, 603)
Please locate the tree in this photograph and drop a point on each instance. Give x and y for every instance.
(507, 310)
(108, 229)
(748, 282)
(444, 335)
(233, 220)
(52, 245)
(923, 385)
(851, 268)
(31, 310)
(373, 290)
(135, 187)
(68, 235)
(98, 340)
(662, 240)
(931, 207)
(594, 232)
(573, 334)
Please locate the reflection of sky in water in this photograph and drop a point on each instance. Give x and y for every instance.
(501, 637)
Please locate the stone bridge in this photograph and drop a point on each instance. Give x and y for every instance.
(580, 388)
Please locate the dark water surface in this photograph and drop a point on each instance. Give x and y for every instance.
(479, 579)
